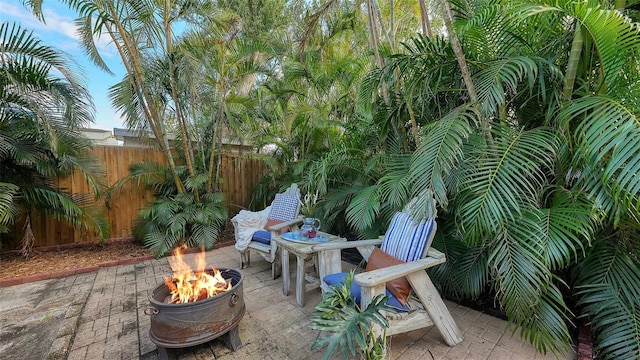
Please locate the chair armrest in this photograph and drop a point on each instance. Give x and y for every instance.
(345, 245)
(434, 253)
(381, 276)
(285, 224)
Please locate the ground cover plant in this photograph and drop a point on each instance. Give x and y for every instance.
(518, 117)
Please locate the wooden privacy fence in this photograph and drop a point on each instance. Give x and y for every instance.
(238, 178)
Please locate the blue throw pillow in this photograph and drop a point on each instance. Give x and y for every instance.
(262, 236)
(336, 279)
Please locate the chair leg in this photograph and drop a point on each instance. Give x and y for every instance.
(276, 267)
(435, 307)
(245, 259)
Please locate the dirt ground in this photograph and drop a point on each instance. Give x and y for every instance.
(12, 264)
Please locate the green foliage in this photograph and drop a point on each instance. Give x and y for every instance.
(537, 195)
(535, 184)
(181, 220)
(607, 285)
(42, 105)
(348, 327)
(194, 218)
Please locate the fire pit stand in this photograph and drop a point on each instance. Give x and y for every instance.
(183, 325)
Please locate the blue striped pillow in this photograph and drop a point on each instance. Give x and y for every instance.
(407, 240)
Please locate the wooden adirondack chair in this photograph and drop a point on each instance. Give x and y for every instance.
(409, 242)
(254, 230)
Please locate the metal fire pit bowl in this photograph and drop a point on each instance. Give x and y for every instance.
(183, 325)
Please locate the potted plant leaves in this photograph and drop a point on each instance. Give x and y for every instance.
(342, 323)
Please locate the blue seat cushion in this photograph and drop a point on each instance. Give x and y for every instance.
(336, 279)
(262, 236)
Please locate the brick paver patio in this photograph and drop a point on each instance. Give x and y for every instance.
(108, 306)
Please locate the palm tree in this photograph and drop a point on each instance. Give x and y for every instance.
(543, 211)
(42, 105)
(133, 26)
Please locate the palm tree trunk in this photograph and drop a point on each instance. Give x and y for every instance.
(168, 36)
(28, 239)
(374, 37)
(457, 50)
(214, 143)
(424, 19)
(131, 58)
(414, 124)
(572, 63)
(392, 32)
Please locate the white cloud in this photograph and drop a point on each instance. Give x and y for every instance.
(58, 27)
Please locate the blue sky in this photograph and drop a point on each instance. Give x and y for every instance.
(59, 32)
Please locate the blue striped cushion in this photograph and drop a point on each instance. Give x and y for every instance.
(284, 207)
(406, 240)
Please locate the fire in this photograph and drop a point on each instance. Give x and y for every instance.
(189, 286)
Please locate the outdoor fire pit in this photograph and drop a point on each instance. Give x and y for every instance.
(180, 325)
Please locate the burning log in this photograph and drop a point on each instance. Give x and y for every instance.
(187, 285)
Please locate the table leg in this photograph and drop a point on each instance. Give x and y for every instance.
(286, 275)
(300, 280)
(330, 262)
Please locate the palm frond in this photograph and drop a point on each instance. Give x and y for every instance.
(8, 211)
(504, 179)
(547, 329)
(394, 185)
(466, 272)
(364, 208)
(439, 153)
(615, 37)
(566, 226)
(346, 325)
(608, 284)
(517, 259)
(171, 222)
(62, 207)
(502, 78)
(608, 137)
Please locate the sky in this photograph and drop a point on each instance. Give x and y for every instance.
(60, 33)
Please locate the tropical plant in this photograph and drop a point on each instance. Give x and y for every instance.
(182, 220)
(347, 326)
(42, 105)
(174, 219)
(535, 179)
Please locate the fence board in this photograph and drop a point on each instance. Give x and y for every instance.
(125, 205)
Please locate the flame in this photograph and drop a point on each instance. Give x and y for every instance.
(189, 286)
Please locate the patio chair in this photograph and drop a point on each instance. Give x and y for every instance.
(399, 263)
(254, 230)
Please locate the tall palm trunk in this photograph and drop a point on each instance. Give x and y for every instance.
(374, 37)
(462, 62)
(572, 63)
(215, 150)
(168, 35)
(424, 20)
(132, 59)
(457, 50)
